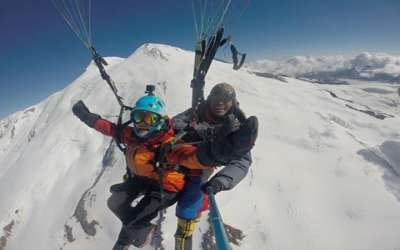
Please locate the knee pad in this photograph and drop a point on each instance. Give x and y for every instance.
(185, 228)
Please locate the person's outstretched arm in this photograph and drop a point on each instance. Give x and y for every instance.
(96, 122)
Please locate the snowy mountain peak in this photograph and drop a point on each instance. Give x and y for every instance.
(342, 173)
(111, 61)
(157, 51)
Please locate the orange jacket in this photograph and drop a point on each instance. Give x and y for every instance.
(139, 155)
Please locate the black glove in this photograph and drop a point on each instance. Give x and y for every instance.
(161, 154)
(82, 112)
(229, 125)
(244, 139)
(119, 187)
(233, 146)
(214, 184)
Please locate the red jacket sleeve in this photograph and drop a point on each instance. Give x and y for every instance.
(110, 129)
(105, 127)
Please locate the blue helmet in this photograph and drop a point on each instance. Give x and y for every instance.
(154, 106)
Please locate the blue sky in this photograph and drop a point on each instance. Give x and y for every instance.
(40, 55)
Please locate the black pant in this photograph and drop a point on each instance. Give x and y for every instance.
(139, 216)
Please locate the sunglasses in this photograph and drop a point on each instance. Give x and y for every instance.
(141, 116)
(224, 99)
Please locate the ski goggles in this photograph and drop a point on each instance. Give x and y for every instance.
(142, 116)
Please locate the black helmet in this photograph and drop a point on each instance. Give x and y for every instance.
(224, 90)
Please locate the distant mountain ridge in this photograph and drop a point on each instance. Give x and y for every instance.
(365, 66)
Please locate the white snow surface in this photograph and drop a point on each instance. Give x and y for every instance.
(323, 177)
(366, 64)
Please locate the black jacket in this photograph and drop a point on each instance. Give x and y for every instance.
(201, 130)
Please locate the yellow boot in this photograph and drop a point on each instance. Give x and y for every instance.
(184, 232)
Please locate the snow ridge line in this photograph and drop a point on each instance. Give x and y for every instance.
(80, 212)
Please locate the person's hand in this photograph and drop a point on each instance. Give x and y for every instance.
(229, 125)
(214, 185)
(161, 154)
(231, 147)
(82, 112)
(243, 140)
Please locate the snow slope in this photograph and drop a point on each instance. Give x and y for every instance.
(326, 170)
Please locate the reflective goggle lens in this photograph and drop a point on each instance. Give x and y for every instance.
(145, 117)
